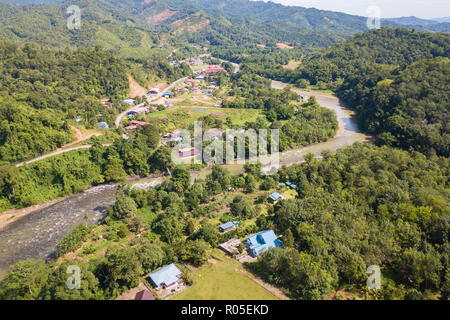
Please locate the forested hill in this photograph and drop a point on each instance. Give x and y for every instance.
(408, 108)
(40, 88)
(147, 28)
(384, 47)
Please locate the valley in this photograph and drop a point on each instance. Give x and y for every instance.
(339, 160)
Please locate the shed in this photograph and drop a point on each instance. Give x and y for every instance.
(228, 226)
(275, 197)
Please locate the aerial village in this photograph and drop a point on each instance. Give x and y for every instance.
(193, 97)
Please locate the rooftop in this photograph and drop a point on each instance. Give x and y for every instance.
(165, 276)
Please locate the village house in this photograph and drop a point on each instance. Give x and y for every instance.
(165, 277)
(103, 125)
(187, 152)
(167, 94)
(228, 226)
(144, 295)
(153, 91)
(275, 197)
(104, 101)
(129, 101)
(230, 247)
(215, 69)
(262, 241)
(190, 82)
(139, 123)
(131, 128)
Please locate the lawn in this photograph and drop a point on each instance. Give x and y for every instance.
(225, 279)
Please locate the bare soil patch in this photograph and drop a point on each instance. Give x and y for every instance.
(160, 17)
(283, 46)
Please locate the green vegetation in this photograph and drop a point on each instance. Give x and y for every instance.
(363, 206)
(43, 89)
(408, 108)
(235, 282)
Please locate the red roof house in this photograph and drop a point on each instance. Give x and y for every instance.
(144, 295)
(215, 69)
(140, 123)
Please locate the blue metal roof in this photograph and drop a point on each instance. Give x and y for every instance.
(263, 241)
(165, 276)
(275, 196)
(229, 225)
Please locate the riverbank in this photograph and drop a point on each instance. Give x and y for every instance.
(13, 215)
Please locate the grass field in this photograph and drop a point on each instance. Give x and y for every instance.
(188, 115)
(225, 279)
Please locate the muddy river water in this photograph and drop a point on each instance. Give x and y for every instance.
(37, 234)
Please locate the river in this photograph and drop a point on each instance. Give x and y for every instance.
(37, 234)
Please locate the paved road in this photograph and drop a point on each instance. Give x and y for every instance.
(45, 156)
(117, 122)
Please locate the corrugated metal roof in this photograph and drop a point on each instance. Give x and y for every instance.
(165, 276)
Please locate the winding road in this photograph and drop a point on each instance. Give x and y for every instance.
(119, 118)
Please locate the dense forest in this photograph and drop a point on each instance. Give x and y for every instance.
(383, 48)
(41, 89)
(407, 108)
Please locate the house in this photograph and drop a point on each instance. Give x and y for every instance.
(187, 152)
(290, 185)
(228, 226)
(131, 114)
(275, 197)
(104, 100)
(215, 69)
(190, 82)
(129, 101)
(153, 91)
(140, 123)
(165, 277)
(200, 78)
(194, 90)
(103, 125)
(175, 140)
(144, 295)
(131, 128)
(167, 94)
(231, 246)
(262, 241)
